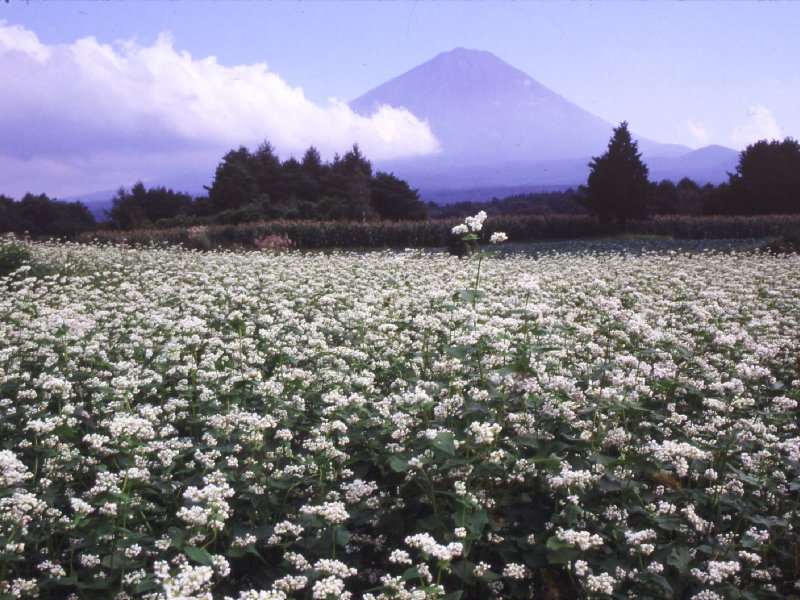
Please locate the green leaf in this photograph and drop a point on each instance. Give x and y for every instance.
(236, 551)
(660, 580)
(144, 586)
(398, 465)
(114, 561)
(444, 442)
(469, 296)
(680, 559)
(527, 440)
(572, 512)
(563, 556)
(453, 595)
(342, 536)
(476, 522)
(553, 543)
(198, 555)
(177, 536)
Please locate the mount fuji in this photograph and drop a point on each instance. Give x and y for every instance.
(498, 127)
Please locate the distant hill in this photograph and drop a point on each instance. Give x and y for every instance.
(705, 165)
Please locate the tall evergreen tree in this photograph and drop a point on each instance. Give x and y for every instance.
(358, 174)
(617, 186)
(265, 166)
(234, 183)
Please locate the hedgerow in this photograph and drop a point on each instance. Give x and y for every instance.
(437, 233)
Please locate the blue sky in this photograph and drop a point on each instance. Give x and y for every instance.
(99, 94)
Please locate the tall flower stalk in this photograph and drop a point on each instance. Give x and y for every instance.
(468, 230)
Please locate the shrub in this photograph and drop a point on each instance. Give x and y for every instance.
(274, 242)
(13, 255)
(198, 239)
(787, 243)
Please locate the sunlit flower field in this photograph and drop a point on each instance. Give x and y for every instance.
(281, 426)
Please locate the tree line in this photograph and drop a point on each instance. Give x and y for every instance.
(41, 216)
(257, 186)
(766, 181)
(251, 186)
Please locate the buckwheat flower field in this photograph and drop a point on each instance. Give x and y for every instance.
(379, 426)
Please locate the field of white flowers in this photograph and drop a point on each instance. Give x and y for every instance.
(285, 426)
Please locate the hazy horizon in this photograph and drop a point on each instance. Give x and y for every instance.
(98, 95)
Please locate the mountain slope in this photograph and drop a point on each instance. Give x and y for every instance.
(484, 110)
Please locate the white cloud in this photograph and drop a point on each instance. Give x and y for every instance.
(699, 133)
(759, 125)
(79, 109)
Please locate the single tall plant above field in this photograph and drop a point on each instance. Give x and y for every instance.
(468, 230)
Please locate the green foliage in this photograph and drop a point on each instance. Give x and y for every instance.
(344, 189)
(786, 243)
(13, 255)
(393, 199)
(142, 207)
(684, 198)
(235, 183)
(767, 179)
(617, 185)
(40, 216)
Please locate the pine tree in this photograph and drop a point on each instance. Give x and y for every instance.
(617, 185)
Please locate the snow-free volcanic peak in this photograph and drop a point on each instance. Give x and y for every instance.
(483, 109)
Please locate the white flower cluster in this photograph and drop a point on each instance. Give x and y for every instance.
(334, 567)
(330, 588)
(583, 539)
(427, 544)
(516, 571)
(639, 540)
(12, 470)
(717, 571)
(706, 595)
(188, 582)
(209, 505)
(357, 490)
(332, 512)
(677, 454)
(131, 426)
(400, 557)
(600, 584)
(259, 595)
(485, 433)
(568, 478)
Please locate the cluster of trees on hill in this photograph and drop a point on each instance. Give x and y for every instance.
(44, 217)
(253, 186)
